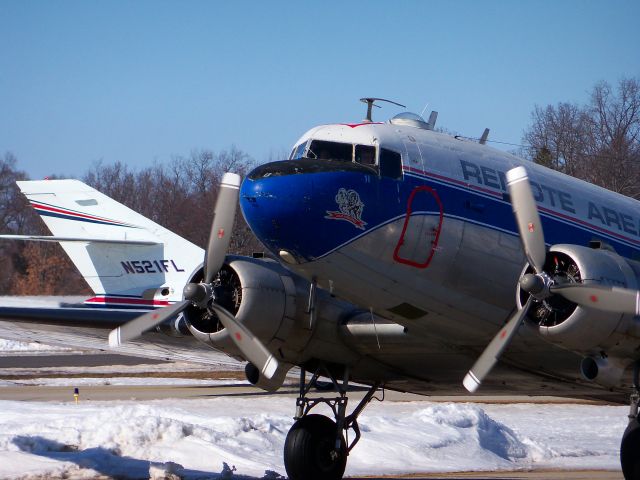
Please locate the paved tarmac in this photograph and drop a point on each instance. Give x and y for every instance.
(31, 362)
(235, 388)
(20, 360)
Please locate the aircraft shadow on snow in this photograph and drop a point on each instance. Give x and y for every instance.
(103, 460)
(111, 464)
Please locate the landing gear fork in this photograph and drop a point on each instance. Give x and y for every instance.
(337, 404)
(634, 400)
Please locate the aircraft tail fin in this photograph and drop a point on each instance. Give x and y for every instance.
(127, 259)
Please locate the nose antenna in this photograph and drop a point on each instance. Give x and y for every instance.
(370, 101)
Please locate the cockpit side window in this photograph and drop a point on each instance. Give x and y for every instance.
(298, 152)
(390, 164)
(324, 150)
(365, 155)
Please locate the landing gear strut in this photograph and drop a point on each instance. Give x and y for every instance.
(630, 447)
(317, 447)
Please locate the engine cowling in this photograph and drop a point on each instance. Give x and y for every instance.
(565, 323)
(273, 303)
(259, 293)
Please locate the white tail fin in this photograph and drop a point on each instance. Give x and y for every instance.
(127, 259)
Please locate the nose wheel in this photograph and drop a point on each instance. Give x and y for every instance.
(310, 450)
(630, 446)
(316, 447)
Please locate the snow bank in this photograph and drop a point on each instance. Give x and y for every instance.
(122, 438)
(463, 437)
(15, 346)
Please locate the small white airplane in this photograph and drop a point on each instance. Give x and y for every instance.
(409, 260)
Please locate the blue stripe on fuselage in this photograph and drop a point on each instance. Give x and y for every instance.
(290, 212)
(554, 223)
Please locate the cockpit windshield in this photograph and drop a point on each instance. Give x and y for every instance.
(298, 151)
(389, 163)
(324, 150)
(365, 155)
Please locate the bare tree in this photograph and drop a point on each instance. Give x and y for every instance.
(599, 142)
(15, 218)
(615, 137)
(180, 195)
(558, 137)
(13, 206)
(47, 270)
(34, 269)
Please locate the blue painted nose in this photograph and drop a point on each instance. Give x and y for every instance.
(308, 207)
(278, 208)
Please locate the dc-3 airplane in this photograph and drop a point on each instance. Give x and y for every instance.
(407, 259)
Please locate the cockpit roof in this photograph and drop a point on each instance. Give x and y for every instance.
(367, 133)
(361, 133)
(393, 133)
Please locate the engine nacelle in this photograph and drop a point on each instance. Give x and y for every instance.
(569, 325)
(274, 304)
(261, 295)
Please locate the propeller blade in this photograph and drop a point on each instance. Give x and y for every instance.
(527, 218)
(137, 326)
(492, 353)
(609, 299)
(250, 346)
(222, 226)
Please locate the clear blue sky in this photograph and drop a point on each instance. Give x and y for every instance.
(139, 81)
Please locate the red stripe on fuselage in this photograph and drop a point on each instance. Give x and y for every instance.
(354, 125)
(453, 180)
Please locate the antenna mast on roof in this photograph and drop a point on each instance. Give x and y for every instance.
(370, 101)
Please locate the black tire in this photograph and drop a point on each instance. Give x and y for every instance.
(308, 449)
(630, 451)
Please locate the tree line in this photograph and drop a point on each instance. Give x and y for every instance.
(598, 142)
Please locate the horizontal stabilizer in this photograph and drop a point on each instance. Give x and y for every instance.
(50, 238)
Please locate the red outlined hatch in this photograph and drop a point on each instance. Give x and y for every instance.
(421, 231)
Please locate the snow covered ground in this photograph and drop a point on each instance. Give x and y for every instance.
(122, 439)
(119, 439)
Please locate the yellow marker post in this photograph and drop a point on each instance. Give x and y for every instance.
(76, 394)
